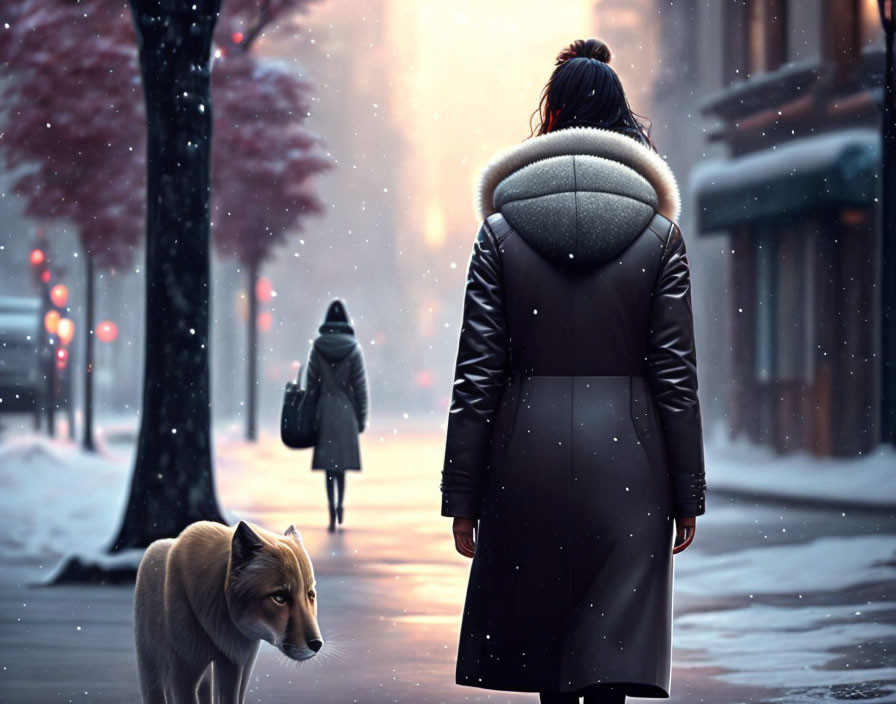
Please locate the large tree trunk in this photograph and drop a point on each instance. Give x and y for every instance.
(888, 246)
(172, 484)
(252, 354)
(87, 439)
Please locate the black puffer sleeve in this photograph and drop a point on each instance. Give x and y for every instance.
(672, 375)
(312, 373)
(358, 375)
(479, 381)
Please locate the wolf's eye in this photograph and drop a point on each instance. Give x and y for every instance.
(279, 597)
(312, 594)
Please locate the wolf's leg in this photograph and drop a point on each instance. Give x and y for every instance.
(227, 681)
(152, 692)
(149, 623)
(150, 672)
(205, 693)
(183, 681)
(246, 675)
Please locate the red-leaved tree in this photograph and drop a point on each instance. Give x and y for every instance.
(75, 128)
(261, 170)
(74, 133)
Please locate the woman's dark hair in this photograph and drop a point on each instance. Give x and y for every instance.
(584, 91)
(336, 312)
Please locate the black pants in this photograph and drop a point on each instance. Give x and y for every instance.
(335, 482)
(596, 694)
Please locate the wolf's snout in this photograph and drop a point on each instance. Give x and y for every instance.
(315, 644)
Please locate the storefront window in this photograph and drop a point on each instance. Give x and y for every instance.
(765, 306)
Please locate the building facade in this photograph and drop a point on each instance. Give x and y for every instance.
(792, 112)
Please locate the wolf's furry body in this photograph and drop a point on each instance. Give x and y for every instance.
(207, 598)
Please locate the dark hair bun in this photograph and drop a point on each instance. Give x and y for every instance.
(585, 49)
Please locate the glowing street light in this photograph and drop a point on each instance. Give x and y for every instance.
(51, 321)
(107, 331)
(59, 295)
(65, 330)
(37, 257)
(264, 291)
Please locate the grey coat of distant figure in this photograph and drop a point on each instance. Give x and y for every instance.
(342, 405)
(574, 434)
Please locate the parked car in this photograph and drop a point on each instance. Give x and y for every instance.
(20, 378)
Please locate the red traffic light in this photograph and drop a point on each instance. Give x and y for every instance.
(61, 358)
(45, 276)
(37, 257)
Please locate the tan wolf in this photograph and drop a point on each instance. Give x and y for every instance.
(206, 599)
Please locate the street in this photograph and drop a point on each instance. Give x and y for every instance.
(774, 603)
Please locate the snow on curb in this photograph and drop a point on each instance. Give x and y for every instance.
(97, 568)
(56, 499)
(806, 643)
(799, 568)
(749, 469)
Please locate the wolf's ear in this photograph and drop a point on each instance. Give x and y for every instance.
(245, 544)
(291, 532)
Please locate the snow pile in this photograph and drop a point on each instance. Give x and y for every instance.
(51, 492)
(814, 649)
(786, 646)
(745, 468)
(826, 564)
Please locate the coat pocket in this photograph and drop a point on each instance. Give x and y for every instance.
(643, 415)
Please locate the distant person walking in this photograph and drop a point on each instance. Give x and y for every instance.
(336, 367)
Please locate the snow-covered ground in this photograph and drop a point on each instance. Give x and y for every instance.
(746, 468)
(774, 602)
(51, 491)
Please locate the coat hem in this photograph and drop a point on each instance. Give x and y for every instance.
(641, 690)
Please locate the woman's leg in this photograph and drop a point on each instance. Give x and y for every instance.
(331, 488)
(605, 694)
(558, 698)
(331, 498)
(340, 482)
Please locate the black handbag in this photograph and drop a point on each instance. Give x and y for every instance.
(298, 418)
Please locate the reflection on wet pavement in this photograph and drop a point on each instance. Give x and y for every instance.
(773, 603)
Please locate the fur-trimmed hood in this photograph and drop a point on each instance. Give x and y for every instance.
(580, 193)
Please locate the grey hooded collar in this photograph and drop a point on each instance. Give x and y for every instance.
(335, 345)
(579, 196)
(585, 141)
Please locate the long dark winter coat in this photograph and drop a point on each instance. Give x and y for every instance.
(342, 405)
(574, 433)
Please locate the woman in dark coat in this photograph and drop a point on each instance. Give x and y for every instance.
(574, 436)
(336, 366)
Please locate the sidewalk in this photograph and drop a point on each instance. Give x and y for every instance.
(773, 604)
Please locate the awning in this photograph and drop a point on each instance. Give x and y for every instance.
(833, 170)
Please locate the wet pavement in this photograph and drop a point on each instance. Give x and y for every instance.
(774, 603)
